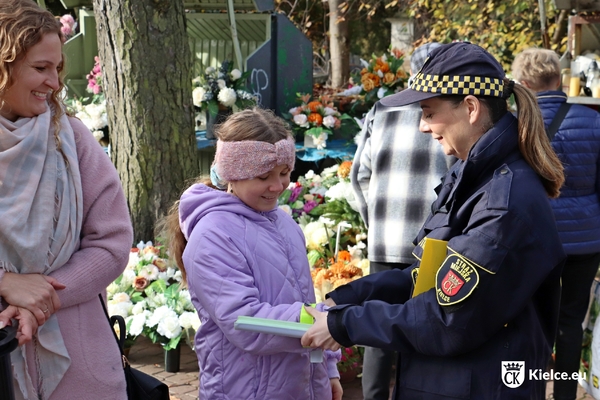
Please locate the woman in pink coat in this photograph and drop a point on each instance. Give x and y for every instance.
(65, 232)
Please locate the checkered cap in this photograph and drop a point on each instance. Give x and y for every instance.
(458, 68)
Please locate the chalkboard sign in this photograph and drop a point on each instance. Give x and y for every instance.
(281, 67)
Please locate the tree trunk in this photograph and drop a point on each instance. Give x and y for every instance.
(146, 62)
(338, 45)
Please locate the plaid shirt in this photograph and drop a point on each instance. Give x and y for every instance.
(395, 170)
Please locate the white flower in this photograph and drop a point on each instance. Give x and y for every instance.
(221, 83)
(381, 92)
(209, 70)
(123, 309)
(286, 208)
(364, 63)
(139, 307)
(320, 141)
(158, 314)
(149, 272)
(189, 320)
(137, 323)
(120, 298)
(236, 74)
(343, 191)
(329, 111)
(198, 96)
(379, 73)
(309, 175)
(316, 235)
(169, 326)
(330, 171)
(301, 120)
(128, 277)
(227, 97)
(329, 121)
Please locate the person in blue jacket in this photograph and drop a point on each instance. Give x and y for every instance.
(577, 209)
(486, 328)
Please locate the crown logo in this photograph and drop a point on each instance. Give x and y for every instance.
(512, 366)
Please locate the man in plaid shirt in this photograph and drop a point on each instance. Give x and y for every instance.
(394, 173)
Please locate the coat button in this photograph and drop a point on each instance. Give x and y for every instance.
(503, 171)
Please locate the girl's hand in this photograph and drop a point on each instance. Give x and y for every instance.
(336, 389)
(318, 336)
(329, 302)
(27, 322)
(34, 292)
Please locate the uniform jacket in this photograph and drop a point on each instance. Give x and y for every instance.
(395, 171)
(241, 262)
(577, 144)
(495, 298)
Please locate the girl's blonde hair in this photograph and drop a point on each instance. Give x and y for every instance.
(252, 124)
(23, 24)
(540, 68)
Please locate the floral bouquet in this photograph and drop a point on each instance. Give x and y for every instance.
(92, 110)
(222, 87)
(149, 297)
(329, 274)
(381, 76)
(318, 118)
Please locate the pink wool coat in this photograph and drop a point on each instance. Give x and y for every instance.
(96, 372)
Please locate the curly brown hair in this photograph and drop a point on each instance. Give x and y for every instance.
(23, 24)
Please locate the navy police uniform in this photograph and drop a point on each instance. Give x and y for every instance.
(496, 295)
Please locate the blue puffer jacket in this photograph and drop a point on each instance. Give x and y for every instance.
(577, 144)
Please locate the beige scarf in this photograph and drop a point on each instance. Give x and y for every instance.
(41, 205)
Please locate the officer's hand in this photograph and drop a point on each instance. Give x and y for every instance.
(318, 336)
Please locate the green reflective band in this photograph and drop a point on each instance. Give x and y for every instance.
(306, 318)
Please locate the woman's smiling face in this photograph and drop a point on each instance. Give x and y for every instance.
(33, 78)
(451, 125)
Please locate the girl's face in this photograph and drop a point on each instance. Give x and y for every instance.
(454, 127)
(34, 76)
(261, 193)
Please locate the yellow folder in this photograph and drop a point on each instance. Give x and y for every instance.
(434, 254)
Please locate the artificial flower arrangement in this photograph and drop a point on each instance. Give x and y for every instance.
(325, 208)
(150, 297)
(92, 110)
(381, 76)
(223, 87)
(318, 118)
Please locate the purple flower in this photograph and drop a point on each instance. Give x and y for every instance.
(295, 193)
(309, 205)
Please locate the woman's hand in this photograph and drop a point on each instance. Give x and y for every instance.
(34, 292)
(336, 389)
(317, 336)
(27, 322)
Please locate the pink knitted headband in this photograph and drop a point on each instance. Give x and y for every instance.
(248, 159)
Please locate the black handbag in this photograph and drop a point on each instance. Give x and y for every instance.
(140, 386)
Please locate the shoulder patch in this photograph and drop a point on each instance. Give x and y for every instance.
(455, 280)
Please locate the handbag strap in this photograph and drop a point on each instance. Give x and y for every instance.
(557, 120)
(122, 330)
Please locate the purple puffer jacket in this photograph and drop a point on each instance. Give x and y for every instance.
(243, 262)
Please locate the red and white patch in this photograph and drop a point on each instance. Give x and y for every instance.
(451, 284)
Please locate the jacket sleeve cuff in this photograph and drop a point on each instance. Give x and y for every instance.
(331, 360)
(336, 327)
(344, 295)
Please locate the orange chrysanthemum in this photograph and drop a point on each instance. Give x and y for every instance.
(344, 172)
(313, 106)
(315, 118)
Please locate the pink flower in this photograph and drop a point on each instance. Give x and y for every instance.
(308, 206)
(67, 19)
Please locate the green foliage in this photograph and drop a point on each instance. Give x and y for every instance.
(503, 27)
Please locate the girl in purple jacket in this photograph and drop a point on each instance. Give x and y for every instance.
(243, 256)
